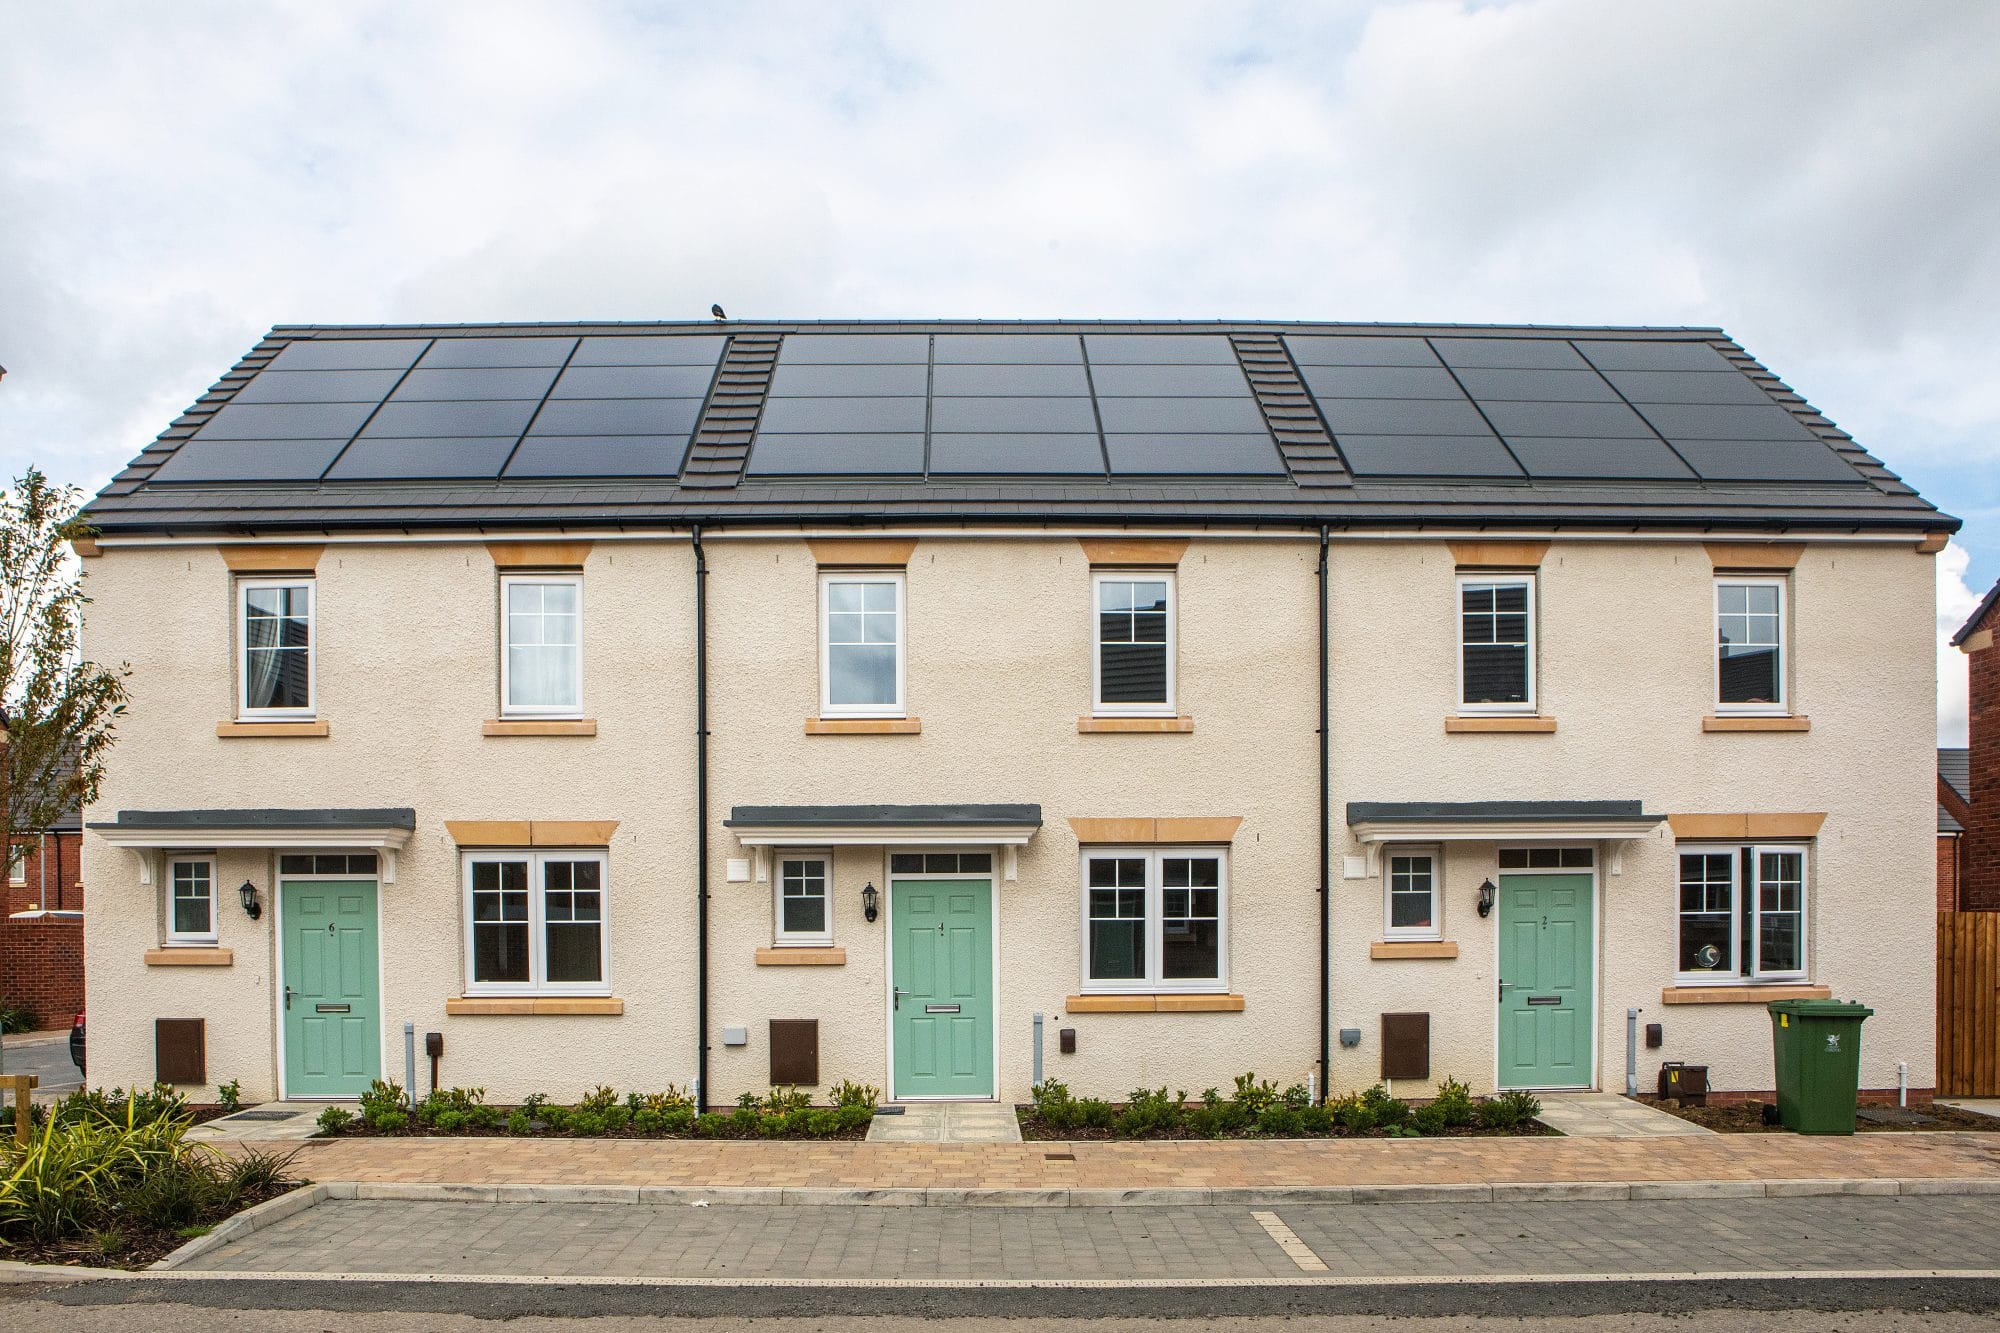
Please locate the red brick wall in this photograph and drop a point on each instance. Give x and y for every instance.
(1979, 864)
(41, 967)
(60, 857)
(1947, 872)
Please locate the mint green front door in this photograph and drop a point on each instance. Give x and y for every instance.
(1546, 940)
(333, 1041)
(941, 968)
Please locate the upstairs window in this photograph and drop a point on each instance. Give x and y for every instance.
(1132, 669)
(276, 621)
(541, 665)
(1154, 920)
(1750, 645)
(861, 645)
(1496, 638)
(1411, 912)
(805, 915)
(536, 923)
(1742, 913)
(191, 901)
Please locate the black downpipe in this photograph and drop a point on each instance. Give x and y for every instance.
(701, 821)
(1325, 849)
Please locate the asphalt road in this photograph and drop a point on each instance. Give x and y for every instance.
(46, 1056)
(294, 1306)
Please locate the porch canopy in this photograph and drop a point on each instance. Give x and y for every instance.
(1615, 822)
(1008, 827)
(384, 830)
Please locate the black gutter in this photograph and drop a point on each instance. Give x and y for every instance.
(1325, 848)
(700, 822)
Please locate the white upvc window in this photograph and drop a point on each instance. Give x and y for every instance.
(804, 906)
(17, 868)
(1413, 894)
(537, 923)
(276, 648)
(861, 654)
(541, 651)
(190, 900)
(1750, 666)
(1132, 658)
(1742, 913)
(1155, 919)
(1496, 643)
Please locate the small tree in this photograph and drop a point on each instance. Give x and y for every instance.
(61, 709)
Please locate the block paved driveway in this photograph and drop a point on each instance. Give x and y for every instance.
(1212, 1242)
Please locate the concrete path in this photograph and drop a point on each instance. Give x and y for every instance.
(1190, 1245)
(947, 1122)
(46, 1056)
(269, 1122)
(1976, 1105)
(1606, 1115)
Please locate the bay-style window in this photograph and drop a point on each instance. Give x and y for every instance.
(804, 913)
(1154, 920)
(861, 645)
(1742, 913)
(1410, 911)
(275, 628)
(1132, 666)
(536, 923)
(1496, 643)
(191, 901)
(1750, 645)
(541, 662)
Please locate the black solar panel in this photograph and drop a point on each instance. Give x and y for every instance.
(351, 354)
(1708, 421)
(1159, 349)
(617, 416)
(829, 455)
(848, 381)
(1182, 415)
(633, 382)
(1193, 455)
(839, 349)
(1614, 355)
(489, 352)
(1014, 415)
(1344, 350)
(529, 382)
(1000, 454)
(1380, 382)
(1536, 386)
(471, 456)
(1686, 386)
(598, 456)
(1053, 381)
(1508, 353)
(253, 460)
(824, 415)
(318, 386)
(285, 421)
(1766, 460)
(1585, 458)
(1427, 456)
(1134, 381)
(416, 421)
(1397, 416)
(640, 350)
(1035, 349)
(1574, 420)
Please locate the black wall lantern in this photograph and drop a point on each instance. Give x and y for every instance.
(1486, 898)
(868, 900)
(251, 907)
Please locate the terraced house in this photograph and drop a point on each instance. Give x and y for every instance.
(753, 703)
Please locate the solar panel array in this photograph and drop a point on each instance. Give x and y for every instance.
(1011, 404)
(383, 409)
(1554, 408)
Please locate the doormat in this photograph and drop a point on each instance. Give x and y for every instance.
(264, 1115)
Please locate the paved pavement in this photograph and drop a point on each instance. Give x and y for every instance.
(947, 1122)
(1214, 1243)
(1150, 1165)
(1606, 1115)
(46, 1056)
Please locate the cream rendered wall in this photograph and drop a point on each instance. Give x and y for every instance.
(1625, 661)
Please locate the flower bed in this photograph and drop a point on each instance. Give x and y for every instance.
(783, 1113)
(1260, 1110)
(109, 1179)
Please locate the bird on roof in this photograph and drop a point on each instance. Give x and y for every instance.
(716, 310)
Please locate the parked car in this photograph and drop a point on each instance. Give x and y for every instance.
(76, 1042)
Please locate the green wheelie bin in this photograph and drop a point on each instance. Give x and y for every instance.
(1817, 1044)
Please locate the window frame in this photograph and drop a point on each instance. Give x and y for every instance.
(1745, 926)
(1431, 853)
(1154, 983)
(1782, 706)
(537, 982)
(507, 707)
(899, 708)
(1100, 577)
(244, 586)
(781, 937)
(1527, 579)
(191, 939)
(17, 869)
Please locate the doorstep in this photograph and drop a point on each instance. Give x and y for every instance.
(266, 1122)
(946, 1122)
(1606, 1115)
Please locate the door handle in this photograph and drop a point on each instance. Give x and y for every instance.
(289, 993)
(898, 994)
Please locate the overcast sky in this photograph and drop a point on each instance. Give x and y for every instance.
(1818, 178)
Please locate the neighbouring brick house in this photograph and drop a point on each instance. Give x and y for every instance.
(41, 923)
(1970, 792)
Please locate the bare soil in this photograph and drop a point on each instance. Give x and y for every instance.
(1748, 1118)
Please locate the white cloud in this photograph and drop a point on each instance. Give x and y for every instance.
(1956, 600)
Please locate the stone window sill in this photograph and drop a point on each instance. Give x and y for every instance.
(864, 726)
(227, 730)
(794, 955)
(1150, 1004)
(1153, 726)
(1742, 994)
(1413, 949)
(511, 726)
(534, 1004)
(1490, 725)
(1732, 723)
(190, 956)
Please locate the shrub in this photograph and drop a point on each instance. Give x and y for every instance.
(746, 1119)
(713, 1126)
(1253, 1096)
(674, 1098)
(1279, 1121)
(381, 1097)
(1508, 1110)
(1298, 1096)
(96, 1106)
(15, 1018)
(449, 1122)
(853, 1117)
(1428, 1119)
(461, 1101)
(230, 1094)
(587, 1124)
(1316, 1119)
(335, 1120)
(1453, 1103)
(1388, 1112)
(782, 1101)
(1093, 1113)
(62, 1182)
(484, 1117)
(177, 1194)
(387, 1122)
(1149, 1111)
(534, 1102)
(646, 1120)
(598, 1100)
(820, 1124)
(1054, 1106)
(520, 1122)
(849, 1093)
(255, 1171)
(1352, 1114)
(106, 1243)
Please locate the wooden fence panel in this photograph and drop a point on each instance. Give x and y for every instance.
(1968, 1009)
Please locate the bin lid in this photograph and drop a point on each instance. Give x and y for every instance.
(1820, 1008)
